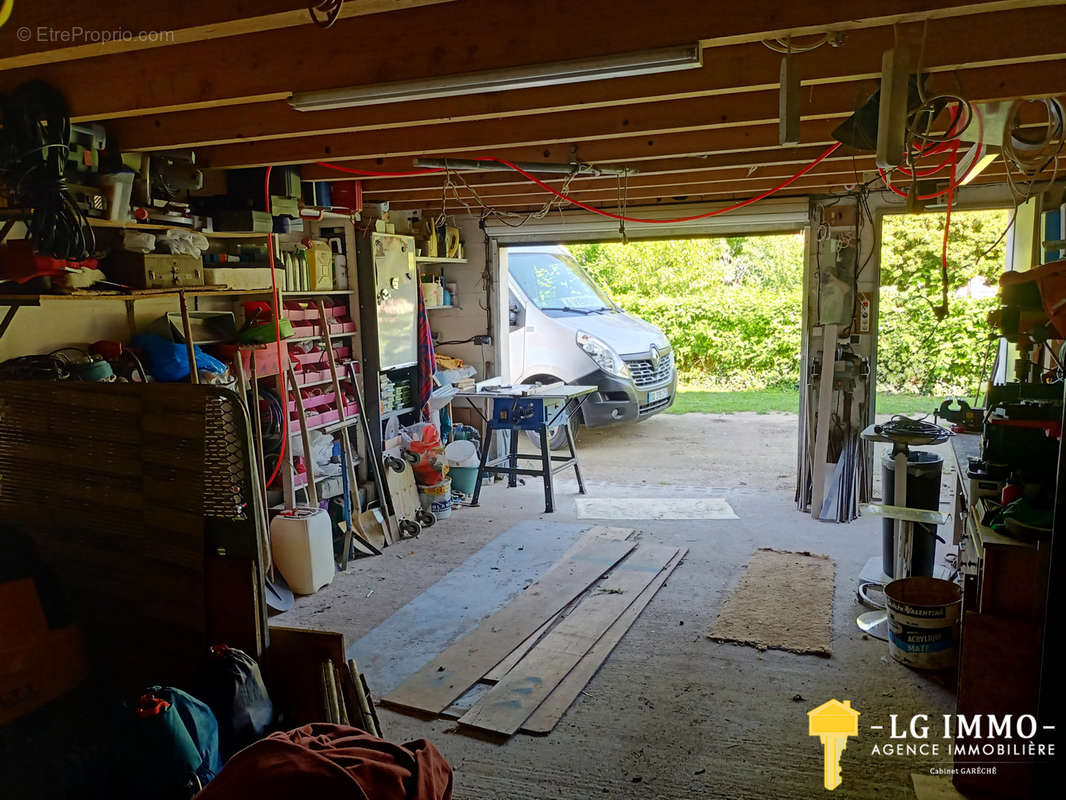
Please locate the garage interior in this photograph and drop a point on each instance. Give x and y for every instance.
(338, 555)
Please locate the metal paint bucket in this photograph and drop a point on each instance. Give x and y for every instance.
(437, 498)
(923, 622)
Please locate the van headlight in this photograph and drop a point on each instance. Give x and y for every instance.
(603, 354)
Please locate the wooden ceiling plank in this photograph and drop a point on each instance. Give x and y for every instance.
(790, 155)
(845, 171)
(463, 37)
(738, 113)
(644, 183)
(608, 201)
(62, 32)
(969, 41)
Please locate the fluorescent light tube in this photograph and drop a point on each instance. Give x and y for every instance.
(648, 62)
(983, 161)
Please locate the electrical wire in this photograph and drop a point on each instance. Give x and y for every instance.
(329, 9)
(277, 329)
(34, 145)
(561, 195)
(1028, 156)
(786, 46)
(370, 173)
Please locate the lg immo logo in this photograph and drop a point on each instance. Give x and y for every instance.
(6, 6)
(833, 722)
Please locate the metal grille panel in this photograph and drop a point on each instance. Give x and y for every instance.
(646, 374)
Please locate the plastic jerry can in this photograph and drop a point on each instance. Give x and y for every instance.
(301, 540)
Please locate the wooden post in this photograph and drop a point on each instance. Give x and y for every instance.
(821, 436)
(186, 328)
(312, 490)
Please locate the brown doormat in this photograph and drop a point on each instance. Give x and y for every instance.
(784, 601)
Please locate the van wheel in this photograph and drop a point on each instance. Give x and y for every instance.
(556, 437)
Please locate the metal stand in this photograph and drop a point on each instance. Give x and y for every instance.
(875, 623)
(529, 411)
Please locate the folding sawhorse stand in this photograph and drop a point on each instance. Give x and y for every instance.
(521, 408)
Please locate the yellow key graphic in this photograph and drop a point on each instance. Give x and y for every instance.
(833, 722)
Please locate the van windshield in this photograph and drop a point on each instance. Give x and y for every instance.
(556, 283)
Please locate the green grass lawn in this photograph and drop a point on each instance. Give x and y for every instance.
(694, 401)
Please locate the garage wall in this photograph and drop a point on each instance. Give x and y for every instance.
(475, 292)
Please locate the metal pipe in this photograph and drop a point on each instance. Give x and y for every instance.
(491, 166)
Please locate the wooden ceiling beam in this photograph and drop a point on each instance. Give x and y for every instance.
(696, 193)
(61, 31)
(844, 171)
(437, 40)
(840, 168)
(792, 158)
(726, 70)
(784, 155)
(738, 113)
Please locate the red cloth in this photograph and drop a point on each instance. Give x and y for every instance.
(326, 761)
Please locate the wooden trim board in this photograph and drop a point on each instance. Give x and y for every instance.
(548, 713)
(508, 704)
(444, 679)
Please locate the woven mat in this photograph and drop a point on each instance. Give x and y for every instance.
(784, 601)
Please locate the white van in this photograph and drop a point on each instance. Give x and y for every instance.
(563, 327)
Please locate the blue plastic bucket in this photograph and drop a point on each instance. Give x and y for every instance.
(464, 479)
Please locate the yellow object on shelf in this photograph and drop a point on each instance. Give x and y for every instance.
(319, 265)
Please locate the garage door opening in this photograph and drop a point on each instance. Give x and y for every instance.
(728, 310)
(696, 339)
(933, 338)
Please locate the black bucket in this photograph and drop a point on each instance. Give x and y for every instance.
(923, 491)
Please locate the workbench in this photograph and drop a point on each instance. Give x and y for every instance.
(1004, 590)
(520, 408)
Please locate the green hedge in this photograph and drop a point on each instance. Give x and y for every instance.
(919, 355)
(733, 338)
(738, 338)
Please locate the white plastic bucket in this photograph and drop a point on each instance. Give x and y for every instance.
(923, 622)
(462, 453)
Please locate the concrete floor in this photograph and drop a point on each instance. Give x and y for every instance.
(671, 714)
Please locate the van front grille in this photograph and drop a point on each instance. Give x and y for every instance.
(645, 374)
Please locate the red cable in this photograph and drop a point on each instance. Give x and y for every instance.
(624, 218)
(947, 215)
(277, 331)
(369, 173)
(511, 165)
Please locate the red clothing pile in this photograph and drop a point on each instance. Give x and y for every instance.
(332, 761)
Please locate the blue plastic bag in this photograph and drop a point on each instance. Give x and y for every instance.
(169, 361)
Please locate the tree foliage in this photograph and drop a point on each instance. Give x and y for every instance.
(731, 307)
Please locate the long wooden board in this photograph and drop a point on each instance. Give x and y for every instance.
(508, 704)
(605, 532)
(562, 697)
(495, 675)
(434, 687)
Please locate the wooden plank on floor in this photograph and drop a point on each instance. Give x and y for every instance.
(548, 713)
(444, 679)
(504, 708)
(495, 675)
